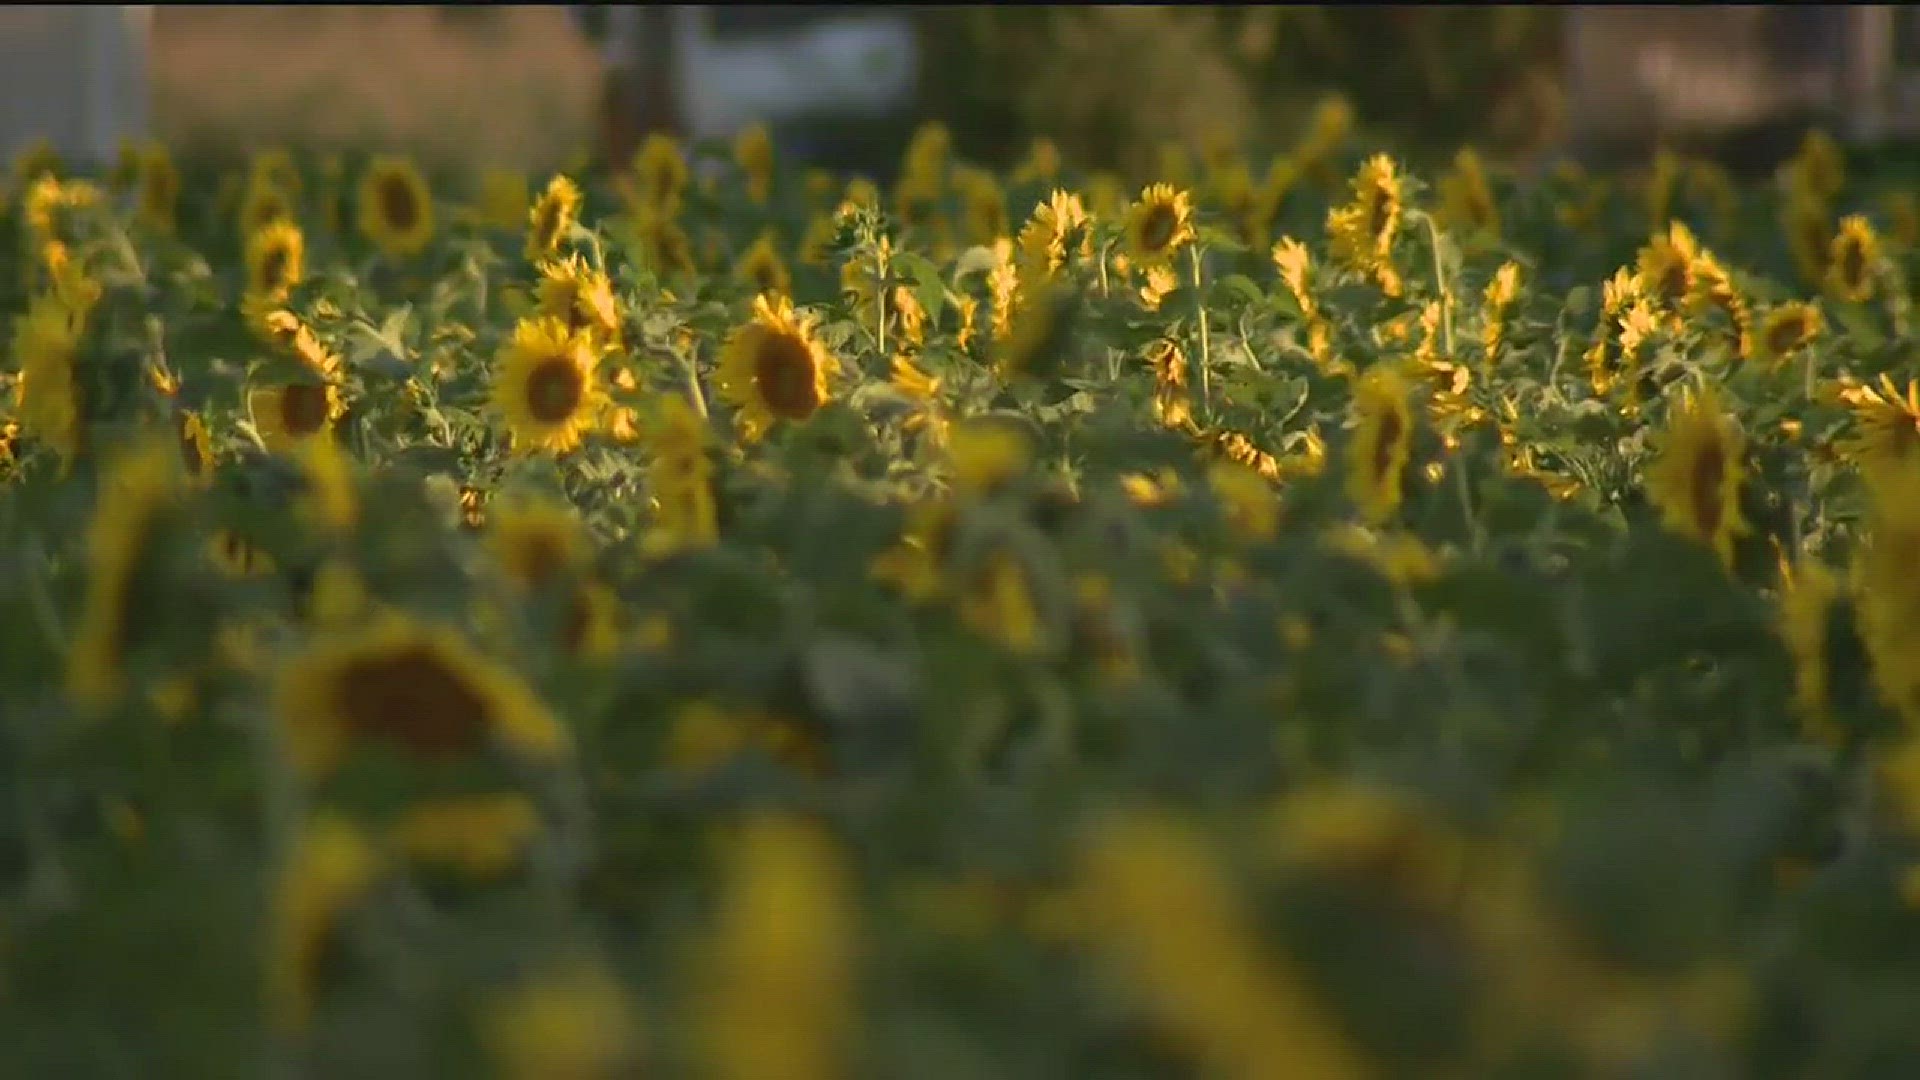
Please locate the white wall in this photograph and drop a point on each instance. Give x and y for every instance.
(76, 75)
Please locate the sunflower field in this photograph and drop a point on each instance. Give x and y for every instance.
(1279, 616)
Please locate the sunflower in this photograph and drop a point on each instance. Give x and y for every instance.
(46, 342)
(985, 455)
(592, 628)
(984, 206)
(136, 489)
(328, 500)
(1852, 260)
(1813, 598)
(1466, 200)
(1247, 500)
(1053, 229)
(1666, 266)
(572, 1022)
(396, 209)
(1696, 474)
(1886, 424)
(275, 166)
(157, 188)
(478, 836)
(760, 267)
(1903, 218)
(415, 688)
(753, 153)
(545, 386)
(276, 261)
(1042, 164)
(196, 452)
(551, 217)
(288, 416)
(664, 243)
(537, 543)
(923, 390)
(1039, 335)
(263, 204)
(575, 293)
(681, 476)
(1886, 572)
(502, 201)
(1000, 606)
(235, 556)
(1807, 226)
(1172, 406)
(1159, 223)
(1362, 233)
(781, 963)
(1382, 441)
(773, 369)
(331, 868)
(1786, 329)
(1501, 292)
(660, 172)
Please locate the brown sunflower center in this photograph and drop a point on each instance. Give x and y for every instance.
(541, 558)
(1784, 335)
(398, 205)
(303, 408)
(190, 450)
(411, 697)
(1157, 227)
(1384, 443)
(546, 224)
(1853, 263)
(1703, 486)
(784, 372)
(1379, 212)
(1673, 281)
(555, 389)
(273, 268)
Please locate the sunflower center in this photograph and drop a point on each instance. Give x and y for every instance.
(1784, 336)
(1384, 443)
(303, 408)
(1379, 212)
(1157, 228)
(784, 372)
(411, 697)
(1853, 264)
(1709, 473)
(398, 205)
(546, 226)
(541, 559)
(1673, 283)
(554, 390)
(273, 269)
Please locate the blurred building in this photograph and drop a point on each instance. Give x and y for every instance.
(75, 75)
(1640, 75)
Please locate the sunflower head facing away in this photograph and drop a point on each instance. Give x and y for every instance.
(1159, 224)
(1058, 230)
(418, 689)
(1696, 474)
(552, 215)
(1852, 260)
(537, 543)
(660, 174)
(1382, 442)
(396, 210)
(761, 268)
(773, 369)
(46, 342)
(546, 386)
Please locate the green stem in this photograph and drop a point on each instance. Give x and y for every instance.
(693, 385)
(1206, 348)
(1440, 282)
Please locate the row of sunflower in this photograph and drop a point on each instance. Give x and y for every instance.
(711, 620)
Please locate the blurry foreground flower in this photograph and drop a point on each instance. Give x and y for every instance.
(778, 983)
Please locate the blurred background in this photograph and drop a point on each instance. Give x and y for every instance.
(533, 86)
